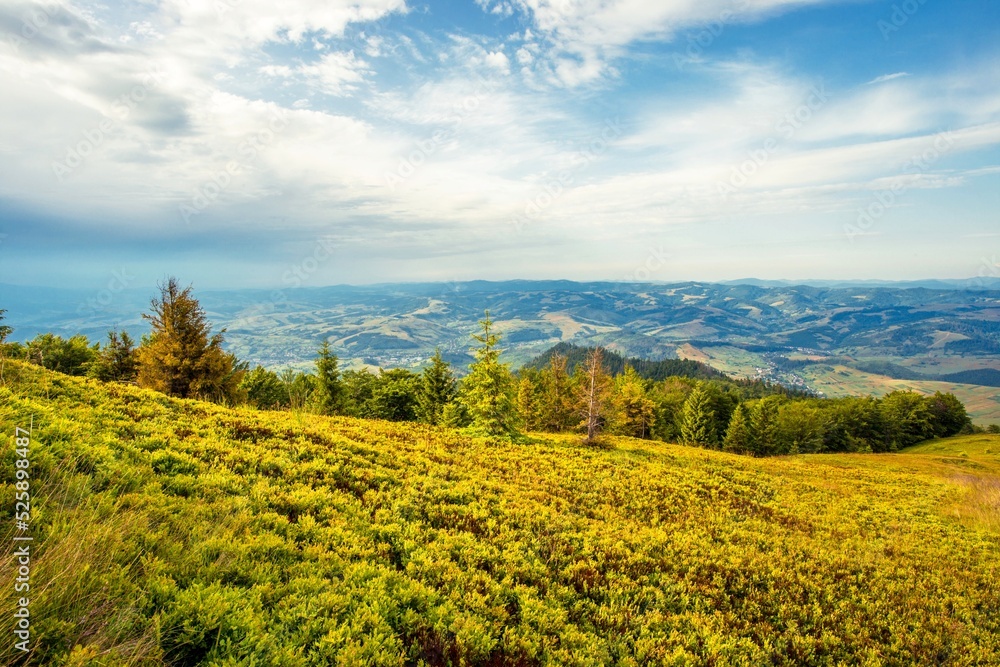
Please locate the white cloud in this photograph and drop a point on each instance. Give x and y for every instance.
(475, 143)
(888, 77)
(237, 23)
(585, 36)
(282, 71)
(498, 60)
(336, 73)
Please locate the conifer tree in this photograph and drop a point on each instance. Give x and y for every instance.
(529, 388)
(633, 409)
(698, 420)
(117, 361)
(738, 437)
(489, 390)
(180, 356)
(264, 389)
(329, 393)
(437, 389)
(557, 412)
(764, 426)
(456, 415)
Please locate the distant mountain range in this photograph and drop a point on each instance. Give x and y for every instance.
(401, 324)
(983, 283)
(830, 339)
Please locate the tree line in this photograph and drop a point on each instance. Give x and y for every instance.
(568, 390)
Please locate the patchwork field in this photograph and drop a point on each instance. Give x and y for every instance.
(983, 403)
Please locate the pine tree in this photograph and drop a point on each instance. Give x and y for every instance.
(117, 361)
(557, 409)
(437, 389)
(595, 393)
(633, 409)
(456, 415)
(329, 394)
(528, 398)
(264, 389)
(395, 395)
(698, 420)
(489, 389)
(764, 426)
(738, 437)
(180, 357)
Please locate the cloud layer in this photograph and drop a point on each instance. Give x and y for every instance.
(560, 140)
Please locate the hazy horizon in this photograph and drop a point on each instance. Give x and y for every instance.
(137, 286)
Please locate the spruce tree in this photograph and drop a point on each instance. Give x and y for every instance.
(764, 426)
(698, 420)
(117, 361)
(329, 392)
(456, 415)
(264, 389)
(738, 438)
(180, 356)
(528, 398)
(557, 412)
(633, 413)
(437, 389)
(489, 390)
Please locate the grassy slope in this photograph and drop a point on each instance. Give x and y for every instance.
(180, 532)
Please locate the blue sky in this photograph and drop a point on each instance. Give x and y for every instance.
(234, 144)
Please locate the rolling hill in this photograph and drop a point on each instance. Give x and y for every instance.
(805, 337)
(176, 532)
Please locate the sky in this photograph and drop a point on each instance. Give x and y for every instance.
(247, 143)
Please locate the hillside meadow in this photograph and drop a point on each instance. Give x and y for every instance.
(176, 532)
